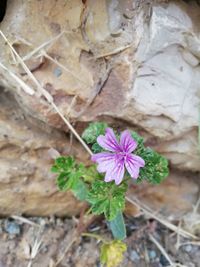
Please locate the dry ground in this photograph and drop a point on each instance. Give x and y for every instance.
(46, 243)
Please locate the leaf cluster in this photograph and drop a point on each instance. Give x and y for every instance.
(87, 184)
(156, 166)
(70, 176)
(107, 198)
(91, 133)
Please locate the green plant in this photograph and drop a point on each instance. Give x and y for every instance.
(104, 186)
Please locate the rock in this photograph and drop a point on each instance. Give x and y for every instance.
(173, 198)
(191, 220)
(152, 254)
(12, 228)
(57, 72)
(41, 221)
(26, 184)
(98, 264)
(134, 256)
(188, 248)
(164, 261)
(134, 63)
(156, 264)
(44, 249)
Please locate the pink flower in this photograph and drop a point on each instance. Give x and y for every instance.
(119, 156)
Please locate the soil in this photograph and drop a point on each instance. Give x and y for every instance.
(46, 242)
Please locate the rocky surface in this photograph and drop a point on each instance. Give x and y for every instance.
(135, 61)
(176, 196)
(26, 184)
(132, 63)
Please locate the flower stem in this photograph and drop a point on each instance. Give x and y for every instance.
(98, 237)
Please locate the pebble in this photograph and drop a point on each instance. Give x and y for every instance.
(41, 221)
(134, 256)
(98, 264)
(12, 246)
(156, 264)
(164, 261)
(44, 249)
(188, 248)
(59, 222)
(152, 254)
(12, 228)
(57, 72)
(52, 220)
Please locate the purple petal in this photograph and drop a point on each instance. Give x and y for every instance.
(127, 143)
(133, 164)
(105, 160)
(108, 177)
(109, 141)
(116, 172)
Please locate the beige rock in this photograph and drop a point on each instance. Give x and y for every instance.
(127, 61)
(176, 196)
(26, 184)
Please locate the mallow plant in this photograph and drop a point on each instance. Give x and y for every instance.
(117, 159)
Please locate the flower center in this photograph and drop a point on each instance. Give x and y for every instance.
(122, 155)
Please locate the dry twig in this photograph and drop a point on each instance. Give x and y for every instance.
(24, 220)
(162, 250)
(19, 81)
(47, 43)
(35, 248)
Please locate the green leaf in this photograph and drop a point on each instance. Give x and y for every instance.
(54, 169)
(107, 198)
(156, 167)
(66, 181)
(140, 143)
(96, 148)
(112, 253)
(80, 190)
(62, 182)
(137, 138)
(69, 176)
(63, 164)
(93, 131)
(117, 227)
